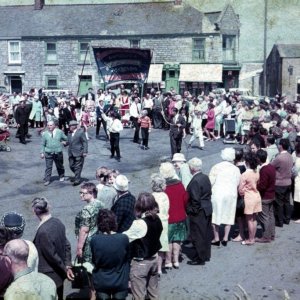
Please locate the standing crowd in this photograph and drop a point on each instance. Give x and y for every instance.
(127, 242)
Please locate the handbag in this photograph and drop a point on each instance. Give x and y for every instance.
(81, 277)
(240, 203)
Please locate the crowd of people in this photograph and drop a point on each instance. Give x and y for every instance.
(128, 242)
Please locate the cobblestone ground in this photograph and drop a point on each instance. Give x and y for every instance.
(264, 270)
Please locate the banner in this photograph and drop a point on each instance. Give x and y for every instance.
(118, 65)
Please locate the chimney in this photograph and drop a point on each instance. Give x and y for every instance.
(177, 2)
(38, 4)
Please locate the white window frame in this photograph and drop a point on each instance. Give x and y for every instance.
(51, 52)
(10, 60)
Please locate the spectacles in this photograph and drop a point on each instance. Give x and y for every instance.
(83, 193)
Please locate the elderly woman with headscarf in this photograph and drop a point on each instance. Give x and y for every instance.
(158, 185)
(177, 217)
(225, 178)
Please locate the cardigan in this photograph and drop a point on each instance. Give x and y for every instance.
(266, 183)
(283, 164)
(53, 144)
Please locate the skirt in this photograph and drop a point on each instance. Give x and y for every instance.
(177, 232)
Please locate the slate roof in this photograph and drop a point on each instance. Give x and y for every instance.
(288, 50)
(104, 19)
(213, 17)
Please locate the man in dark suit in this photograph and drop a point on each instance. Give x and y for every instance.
(177, 126)
(52, 245)
(199, 211)
(22, 117)
(90, 95)
(78, 149)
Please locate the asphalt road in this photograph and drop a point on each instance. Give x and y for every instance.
(265, 271)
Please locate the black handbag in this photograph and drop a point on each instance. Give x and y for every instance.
(81, 276)
(240, 204)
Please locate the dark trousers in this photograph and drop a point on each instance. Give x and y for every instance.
(282, 206)
(145, 136)
(114, 144)
(23, 131)
(266, 219)
(157, 119)
(98, 124)
(112, 295)
(76, 165)
(136, 126)
(175, 144)
(200, 234)
(58, 159)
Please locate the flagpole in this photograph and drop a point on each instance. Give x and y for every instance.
(86, 53)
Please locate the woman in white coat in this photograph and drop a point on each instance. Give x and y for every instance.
(225, 178)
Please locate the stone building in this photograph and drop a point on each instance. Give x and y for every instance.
(46, 45)
(283, 70)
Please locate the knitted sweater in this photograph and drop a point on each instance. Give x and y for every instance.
(283, 164)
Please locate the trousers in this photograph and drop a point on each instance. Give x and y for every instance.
(114, 144)
(58, 159)
(282, 206)
(145, 136)
(76, 165)
(266, 219)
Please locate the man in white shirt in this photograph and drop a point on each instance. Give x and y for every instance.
(134, 111)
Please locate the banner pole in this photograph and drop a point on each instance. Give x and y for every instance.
(86, 52)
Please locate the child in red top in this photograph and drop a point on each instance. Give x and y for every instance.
(145, 124)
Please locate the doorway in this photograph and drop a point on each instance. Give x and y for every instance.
(15, 84)
(85, 84)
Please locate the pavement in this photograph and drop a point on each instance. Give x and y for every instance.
(262, 270)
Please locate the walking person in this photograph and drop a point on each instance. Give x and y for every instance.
(134, 111)
(22, 117)
(114, 127)
(78, 149)
(197, 130)
(52, 245)
(177, 126)
(52, 141)
(145, 124)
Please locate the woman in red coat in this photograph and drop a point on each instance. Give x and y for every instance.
(177, 217)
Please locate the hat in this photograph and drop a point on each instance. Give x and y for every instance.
(256, 102)
(178, 157)
(121, 183)
(13, 222)
(73, 123)
(22, 99)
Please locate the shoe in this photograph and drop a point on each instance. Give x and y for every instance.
(28, 136)
(201, 148)
(112, 156)
(176, 265)
(189, 146)
(23, 142)
(297, 221)
(75, 183)
(46, 183)
(168, 266)
(247, 243)
(224, 243)
(188, 245)
(262, 240)
(146, 148)
(237, 239)
(217, 243)
(164, 271)
(72, 179)
(118, 159)
(196, 263)
(61, 179)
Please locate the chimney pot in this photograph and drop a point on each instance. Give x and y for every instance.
(38, 4)
(177, 2)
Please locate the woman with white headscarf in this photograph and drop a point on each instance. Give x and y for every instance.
(225, 178)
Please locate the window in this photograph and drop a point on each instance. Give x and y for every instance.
(51, 55)
(229, 48)
(82, 52)
(134, 43)
(14, 52)
(51, 82)
(198, 49)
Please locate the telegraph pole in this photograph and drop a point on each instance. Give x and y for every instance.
(265, 48)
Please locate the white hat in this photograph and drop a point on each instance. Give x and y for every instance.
(121, 183)
(178, 157)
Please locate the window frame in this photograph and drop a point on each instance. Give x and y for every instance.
(132, 41)
(49, 77)
(226, 49)
(47, 52)
(10, 60)
(198, 50)
(83, 52)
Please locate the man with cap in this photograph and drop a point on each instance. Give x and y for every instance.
(78, 149)
(123, 204)
(52, 141)
(22, 118)
(182, 168)
(15, 224)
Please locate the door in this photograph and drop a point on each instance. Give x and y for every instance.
(16, 84)
(85, 84)
(172, 80)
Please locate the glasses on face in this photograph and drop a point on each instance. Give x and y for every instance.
(83, 193)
